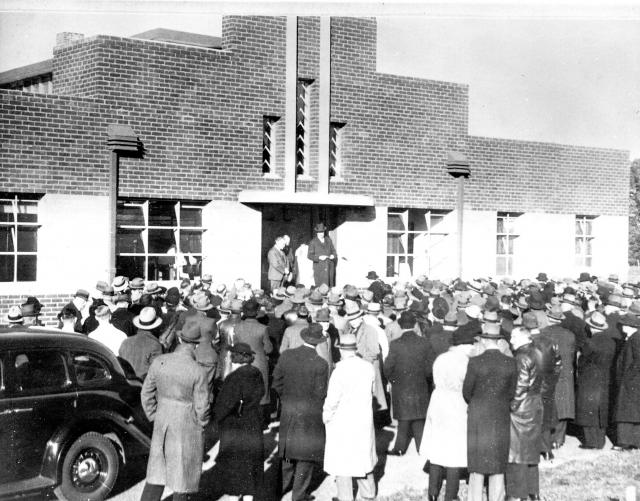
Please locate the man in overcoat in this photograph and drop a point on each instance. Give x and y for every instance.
(488, 388)
(408, 368)
(141, 349)
(77, 305)
(300, 379)
(278, 264)
(323, 254)
(175, 397)
(565, 388)
(526, 420)
(627, 411)
(592, 382)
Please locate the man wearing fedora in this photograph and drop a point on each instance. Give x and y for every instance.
(488, 388)
(15, 318)
(408, 368)
(121, 317)
(324, 256)
(140, 350)
(106, 333)
(292, 334)
(278, 264)
(376, 285)
(350, 451)
(76, 305)
(175, 397)
(31, 310)
(300, 379)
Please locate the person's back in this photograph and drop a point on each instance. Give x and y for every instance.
(291, 337)
(109, 336)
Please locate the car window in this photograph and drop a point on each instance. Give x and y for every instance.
(39, 371)
(89, 368)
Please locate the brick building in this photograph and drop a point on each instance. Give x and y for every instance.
(250, 135)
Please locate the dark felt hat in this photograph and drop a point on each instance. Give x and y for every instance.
(312, 334)
(465, 334)
(242, 348)
(319, 228)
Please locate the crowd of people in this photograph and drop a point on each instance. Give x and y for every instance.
(483, 375)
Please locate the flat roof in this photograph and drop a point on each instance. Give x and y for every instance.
(28, 71)
(180, 37)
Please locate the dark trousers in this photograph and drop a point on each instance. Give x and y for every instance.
(560, 433)
(593, 437)
(629, 435)
(299, 473)
(522, 480)
(437, 474)
(408, 429)
(546, 441)
(153, 492)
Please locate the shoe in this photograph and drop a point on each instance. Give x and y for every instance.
(621, 448)
(534, 497)
(547, 456)
(393, 452)
(587, 447)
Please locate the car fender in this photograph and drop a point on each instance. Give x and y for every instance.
(106, 422)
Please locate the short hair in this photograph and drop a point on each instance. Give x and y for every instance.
(407, 320)
(279, 238)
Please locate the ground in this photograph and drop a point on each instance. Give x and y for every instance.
(574, 475)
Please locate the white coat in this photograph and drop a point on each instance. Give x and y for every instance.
(444, 440)
(350, 449)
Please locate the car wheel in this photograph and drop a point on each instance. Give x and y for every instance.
(90, 468)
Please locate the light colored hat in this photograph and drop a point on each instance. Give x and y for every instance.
(491, 317)
(373, 308)
(348, 342)
(352, 310)
(555, 314)
(148, 319)
(597, 321)
(201, 302)
(473, 311)
(14, 316)
(120, 283)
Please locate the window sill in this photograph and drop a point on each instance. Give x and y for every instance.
(335, 179)
(304, 177)
(270, 176)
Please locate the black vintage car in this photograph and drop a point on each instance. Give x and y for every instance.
(70, 415)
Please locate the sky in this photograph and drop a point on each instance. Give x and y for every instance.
(534, 72)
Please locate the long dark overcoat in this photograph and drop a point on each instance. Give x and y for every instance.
(592, 381)
(628, 402)
(300, 378)
(565, 398)
(323, 271)
(549, 367)
(175, 396)
(241, 455)
(409, 367)
(526, 409)
(488, 388)
(256, 335)
(577, 326)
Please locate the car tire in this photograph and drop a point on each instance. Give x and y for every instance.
(90, 468)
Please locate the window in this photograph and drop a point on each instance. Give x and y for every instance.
(584, 240)
(40, 371)
(303, 121)
(39, 84)
(505, 242)
(270, 147)
(414, 237)
(18, 238)
(335, 149)
(159, 239)
(89, 369)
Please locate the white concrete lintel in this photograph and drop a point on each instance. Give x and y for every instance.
(304, 198)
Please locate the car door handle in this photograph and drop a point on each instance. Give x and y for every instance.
(26, 409)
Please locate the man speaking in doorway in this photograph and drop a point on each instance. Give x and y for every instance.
(278, 264)
(323, 254)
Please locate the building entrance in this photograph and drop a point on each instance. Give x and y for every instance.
(298, 222)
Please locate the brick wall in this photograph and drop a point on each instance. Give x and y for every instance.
(51, 306)
(199, 113)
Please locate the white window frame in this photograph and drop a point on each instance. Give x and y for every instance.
(303, 119)
(336, 138)
(404, 235)
(177, 229)
(584, 259)
(510, 234)
(269, 144)
(15, 201)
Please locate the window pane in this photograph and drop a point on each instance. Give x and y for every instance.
(436, 220)
(500, 245)
(501, 265)
(190, 217)
(509, 266)
(161, 268)
(410, 261)
(190, 242)
(130, 266)
(500, 228)
(27, 268)
(27, 239)
(27, 212)
(395, 222)
(579, 246)
(162, 213)
(511, 241)
(88, 368)
(6, 240)
(391, 269)
(587, 261)
(589, 243)
(410, 242)
(394, 243)
(39, 370)
(191, 266)
(129, 215)
(6, 212)
(578, 227)
(6, 268)
(129, 241)
(162, 241)
(418, 220)
(509, 224)
(588, 226)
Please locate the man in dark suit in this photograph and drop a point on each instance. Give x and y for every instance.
(324, 256)
(376, 286)
(408, 367)
(76, 305)
(140, 350)
(278, 264)
(488, 388)
(300, 378)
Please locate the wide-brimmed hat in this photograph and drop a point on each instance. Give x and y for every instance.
(400, 303)
(120, 283)
(490, 331)
(614, 278)
(190, 333)
(323, 315)
(536, 300)
(31, 307)
(14, 316)
(302, 311)
(630, 321)
(108, 292)
(542, 277)
(584, 277)
(82, 294)
(279, 294)
(440, 308)
(614, 300)
(201, 302)
(101, 286)
(473, 311)
(530, 320)
(207, 278)
(242, 348)
(570, 299)
(173, 297)
(419, 308)
(372, 275)
(465, 334)
(491, 316)
(299, 297)
(136, 283)
(225, 306)
(597, 321)
(319, 228)
(450, 319)
(555, 314)
(474, 285)
(323, 289)
(312, 334)
(375, 308)
(148, 319)
(154, 288)
(634, 308)
(347, 342)
(352, 310)
(334, 299)
(315, 297)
